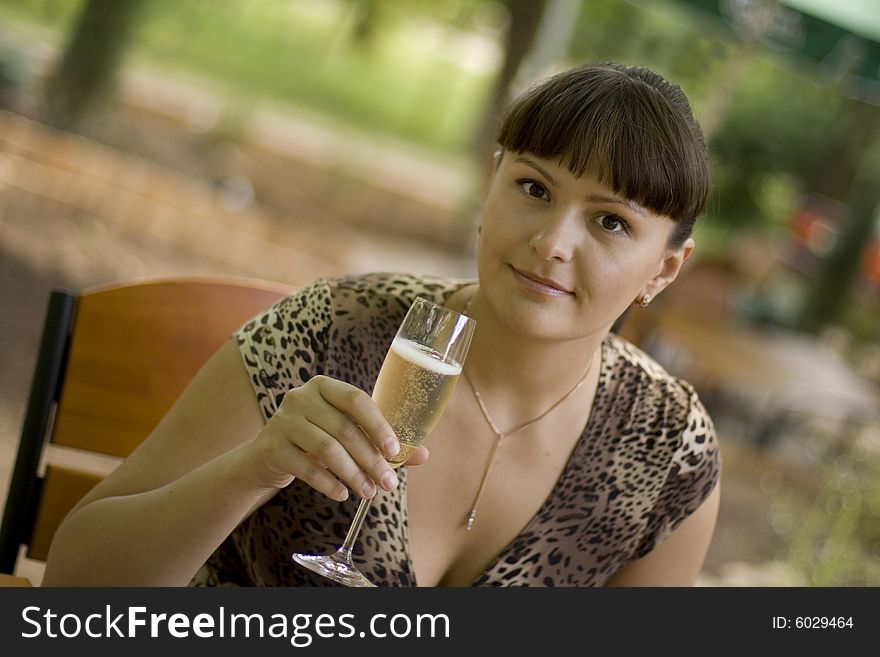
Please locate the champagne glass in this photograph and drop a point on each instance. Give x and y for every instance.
(413, 388)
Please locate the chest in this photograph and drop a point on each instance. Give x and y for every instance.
(441, 493)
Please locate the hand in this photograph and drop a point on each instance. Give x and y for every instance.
(323, 430)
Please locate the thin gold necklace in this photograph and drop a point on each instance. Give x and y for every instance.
(500, 435)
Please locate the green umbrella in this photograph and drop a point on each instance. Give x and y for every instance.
(840, 38)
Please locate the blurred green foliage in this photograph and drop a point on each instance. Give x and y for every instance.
(834, 538)
(12, 74)
(658, 35)
(764, 136)
(407, 81)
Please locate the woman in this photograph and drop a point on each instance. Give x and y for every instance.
(604, 468)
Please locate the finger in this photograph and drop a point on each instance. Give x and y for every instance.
(330, 451)
(369, 461)
(363, 410)
(307, 468)
(419, 456)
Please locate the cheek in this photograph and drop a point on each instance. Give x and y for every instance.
(499, 230)
(488, 248)
(616, 273)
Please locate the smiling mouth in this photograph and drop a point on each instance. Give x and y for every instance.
(540, 285)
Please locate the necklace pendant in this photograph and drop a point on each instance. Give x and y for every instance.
(470, 520)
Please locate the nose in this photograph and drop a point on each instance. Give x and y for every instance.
(556, 239)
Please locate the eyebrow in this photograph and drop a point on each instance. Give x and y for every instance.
(538, 167)
(635, 207)
(593, 198)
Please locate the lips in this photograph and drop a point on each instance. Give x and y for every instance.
(539, 283)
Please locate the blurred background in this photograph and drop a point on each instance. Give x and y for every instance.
(293, 139)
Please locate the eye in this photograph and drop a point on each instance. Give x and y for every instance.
(613, 224)
(533, 188)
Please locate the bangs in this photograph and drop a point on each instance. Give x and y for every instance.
(620, 130)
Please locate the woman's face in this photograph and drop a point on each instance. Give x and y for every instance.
(562, 257)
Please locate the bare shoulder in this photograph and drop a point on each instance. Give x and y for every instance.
(216, 412)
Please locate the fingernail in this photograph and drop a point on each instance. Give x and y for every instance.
(389, 480)
(392, 447)
(368, 490)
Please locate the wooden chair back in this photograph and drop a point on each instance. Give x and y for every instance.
(111, 363)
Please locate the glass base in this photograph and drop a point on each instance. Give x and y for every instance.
(336, 566)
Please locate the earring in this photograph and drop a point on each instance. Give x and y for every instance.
(644, 300)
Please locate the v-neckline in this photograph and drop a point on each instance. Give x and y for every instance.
(579, 444)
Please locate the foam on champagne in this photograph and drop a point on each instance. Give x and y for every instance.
(421, 357)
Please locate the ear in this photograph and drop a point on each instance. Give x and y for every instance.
(669, 267)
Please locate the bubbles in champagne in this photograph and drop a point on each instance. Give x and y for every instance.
(412, 391)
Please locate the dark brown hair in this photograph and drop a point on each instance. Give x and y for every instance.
(627, 126)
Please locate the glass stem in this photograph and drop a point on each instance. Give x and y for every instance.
(355, 528)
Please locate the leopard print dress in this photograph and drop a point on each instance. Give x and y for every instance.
(646, 460)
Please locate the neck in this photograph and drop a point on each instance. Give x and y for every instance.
(519, 376)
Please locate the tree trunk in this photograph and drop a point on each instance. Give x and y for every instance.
(86, 69)
(525, 19)
(366, 20)
(827, 297)
(841, 160)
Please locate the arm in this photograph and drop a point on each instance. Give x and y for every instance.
(209, 463)
(678, 559)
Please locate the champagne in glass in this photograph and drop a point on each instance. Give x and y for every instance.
(413, 388)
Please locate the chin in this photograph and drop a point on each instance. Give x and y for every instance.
(531, 320)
